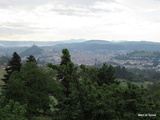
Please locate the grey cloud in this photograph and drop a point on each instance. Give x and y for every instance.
(13, 25)
(76, 12)
(34, 3)
(13, 31)
(29, 3)
(84, 2)
(8, 28)
(83, 10)
(21, 28)
(79, 7)
(67, 4)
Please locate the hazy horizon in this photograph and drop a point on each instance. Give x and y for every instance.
(78, 41)
(59, 20)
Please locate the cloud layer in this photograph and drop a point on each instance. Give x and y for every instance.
(89, 19)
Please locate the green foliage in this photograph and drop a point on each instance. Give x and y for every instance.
(102, 75)
(97, 95)
(31, 58)
(154, 92)
(43, 118)
(38, 83)
(87, 93)
(123, 73)
(69, 74)
(88, 73)
(65, 58)
(2, 72)
(140, 84)
(77, 105)
(13, 65)
(12, 110)
(89, 101)
(66, 71)
(33, 86)
(16, 90)
(106, 75)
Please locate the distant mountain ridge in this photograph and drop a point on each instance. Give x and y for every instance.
(98, 41)
(95, 45)
(82, 44)
(38, 43)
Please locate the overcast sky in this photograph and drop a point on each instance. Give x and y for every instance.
(52, 20)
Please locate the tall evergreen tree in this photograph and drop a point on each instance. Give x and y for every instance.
(66, 57)
(66, 70)
(106, 75)
(31, 58)
(13, 65)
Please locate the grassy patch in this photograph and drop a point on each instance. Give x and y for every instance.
(43, 118)
(144, 84)
(1, 83)
(2, 72)
(0, 90)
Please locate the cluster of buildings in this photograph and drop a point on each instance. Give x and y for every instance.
(97, 57)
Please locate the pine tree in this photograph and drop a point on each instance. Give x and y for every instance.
(66, 57)
(13, 65)
(66, 71)
(106, 75)
(31, 58)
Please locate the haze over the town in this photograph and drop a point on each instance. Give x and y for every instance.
(52, 20)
